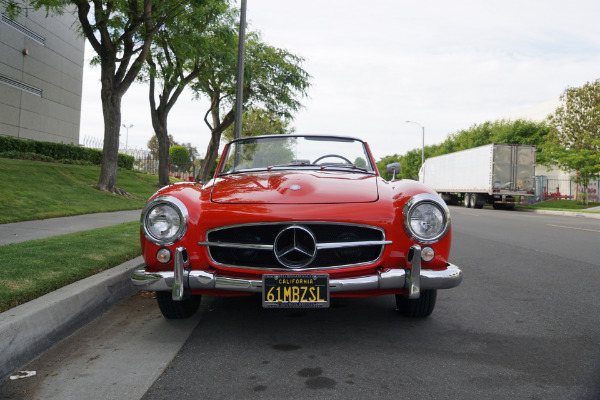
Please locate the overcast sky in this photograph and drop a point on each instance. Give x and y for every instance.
(374, 65)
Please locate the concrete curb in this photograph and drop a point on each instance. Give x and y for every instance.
(30, 329)
(566, 213)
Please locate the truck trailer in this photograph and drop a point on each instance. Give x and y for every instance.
(500, 174)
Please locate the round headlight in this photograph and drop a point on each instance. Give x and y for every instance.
(426, 218)
(164, 220)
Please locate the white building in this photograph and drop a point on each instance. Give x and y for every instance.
(41, 75)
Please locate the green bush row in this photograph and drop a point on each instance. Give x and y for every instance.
(40, 157)
(26, 156)
(59, 151)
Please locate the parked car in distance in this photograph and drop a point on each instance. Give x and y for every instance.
(300, 220)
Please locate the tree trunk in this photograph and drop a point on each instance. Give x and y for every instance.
(159, 123)
(111, 108)
(212, 152)
(163, 156)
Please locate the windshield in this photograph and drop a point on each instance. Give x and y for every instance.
(284, 152)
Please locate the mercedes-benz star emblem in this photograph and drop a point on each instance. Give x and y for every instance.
(295, 246)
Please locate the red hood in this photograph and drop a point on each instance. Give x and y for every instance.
(311, 187)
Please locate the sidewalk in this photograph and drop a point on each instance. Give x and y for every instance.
(40, 229)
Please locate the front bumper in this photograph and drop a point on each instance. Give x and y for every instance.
(414, 279)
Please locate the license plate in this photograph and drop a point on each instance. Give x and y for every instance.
(295, 290)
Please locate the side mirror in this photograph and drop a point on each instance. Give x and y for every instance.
(394, 169)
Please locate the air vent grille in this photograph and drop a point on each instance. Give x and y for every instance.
(24, 30)
(20, 85)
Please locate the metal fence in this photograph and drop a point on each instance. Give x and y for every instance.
(547, 188)
(149, 165)
(144, 161)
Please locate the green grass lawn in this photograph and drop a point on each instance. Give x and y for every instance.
(36, 190)
(31, 269)
(563, 205)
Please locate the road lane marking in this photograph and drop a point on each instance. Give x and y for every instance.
(577, 229)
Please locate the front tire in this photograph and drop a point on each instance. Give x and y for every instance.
(417, 308)
(177, 309)
(467, 200)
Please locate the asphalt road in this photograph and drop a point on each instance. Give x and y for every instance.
(525, 323)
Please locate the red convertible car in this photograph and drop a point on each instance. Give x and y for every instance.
(298, 219)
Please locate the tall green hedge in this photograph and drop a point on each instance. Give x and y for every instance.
(59, 151)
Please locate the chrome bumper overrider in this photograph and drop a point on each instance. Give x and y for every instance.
(414, 280)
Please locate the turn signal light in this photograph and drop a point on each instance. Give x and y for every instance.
(164, 255)
(427, 253)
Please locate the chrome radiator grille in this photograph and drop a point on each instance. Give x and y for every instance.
(295, 245)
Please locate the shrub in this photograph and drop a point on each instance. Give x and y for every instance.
(59, 151)
(26, 156)
(125, 161)
(179, 156)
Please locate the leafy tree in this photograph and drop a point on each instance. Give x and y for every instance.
(574, 141)
(121, 33)
(261, 122)
(273, 80)
(193, 151)
(270, 153)
(153, 145)
(500, 131)
(175, 61)
(360, 162)
(411, 164)
(384, 162)
(180, 156)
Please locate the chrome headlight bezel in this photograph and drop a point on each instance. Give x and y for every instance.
(412, 205)
(178, 207)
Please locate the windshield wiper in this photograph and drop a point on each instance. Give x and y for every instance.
(270, 167)
(346, 166)
(321, 166)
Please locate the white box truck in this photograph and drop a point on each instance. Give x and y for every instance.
(500, 174)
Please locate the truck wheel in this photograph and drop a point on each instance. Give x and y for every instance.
(177, 309)
(467, 200)
(477, 200)
(417, 308)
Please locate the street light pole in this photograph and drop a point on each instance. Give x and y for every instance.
(423, 143)
(239, 87)
(127, 137)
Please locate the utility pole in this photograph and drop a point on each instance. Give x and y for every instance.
(239, 88)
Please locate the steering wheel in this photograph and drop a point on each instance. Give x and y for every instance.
(333, 155)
